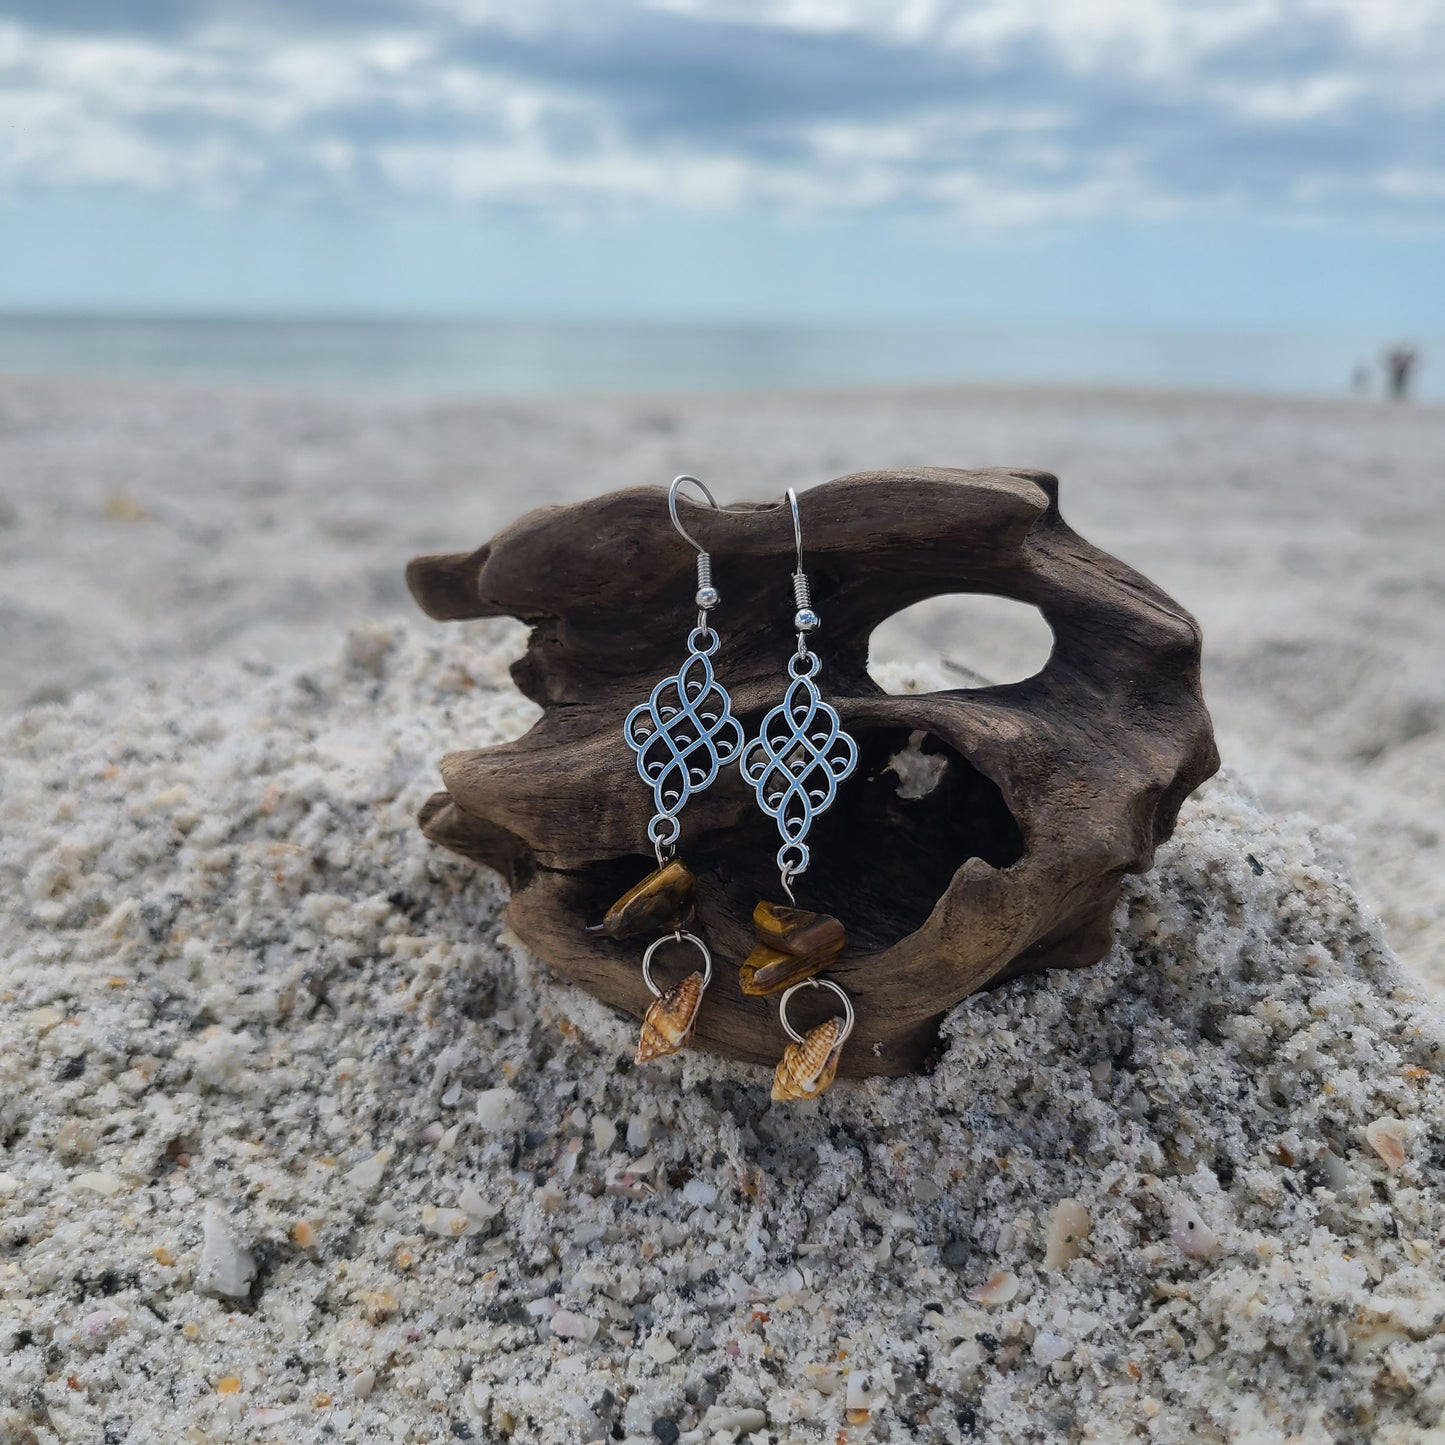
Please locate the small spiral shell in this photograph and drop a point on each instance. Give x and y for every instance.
(671, 1018)
(808, 1068)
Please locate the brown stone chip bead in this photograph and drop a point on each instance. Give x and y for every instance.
(793, 944)
(661, 903)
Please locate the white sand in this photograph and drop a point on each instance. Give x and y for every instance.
(242, 993)
(294, 1146)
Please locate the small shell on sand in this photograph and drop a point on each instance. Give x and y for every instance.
(98, 1182)
(447, 1223)
(470, 1202)
(225, 1268)
(367, 1174)
(1388, 1137)
(1190, 1234)
(568, 1325)
(1069, 1226)
(997, 1289)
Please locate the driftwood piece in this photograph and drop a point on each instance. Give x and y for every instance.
(1053, 788)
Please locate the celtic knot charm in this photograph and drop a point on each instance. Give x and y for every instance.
(797, 760)
(682, 735)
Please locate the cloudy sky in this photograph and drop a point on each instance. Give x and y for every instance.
(1278, 163)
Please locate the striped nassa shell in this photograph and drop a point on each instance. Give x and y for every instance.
(670, 1020)
(808, 1068)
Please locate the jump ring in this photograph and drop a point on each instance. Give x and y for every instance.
(792, 1033)
(678, 937)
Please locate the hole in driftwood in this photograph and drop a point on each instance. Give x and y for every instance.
(970, 639)
(886, 851)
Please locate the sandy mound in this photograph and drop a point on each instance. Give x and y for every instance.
(295, 1147)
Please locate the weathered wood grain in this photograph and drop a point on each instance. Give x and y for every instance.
(1055, 787)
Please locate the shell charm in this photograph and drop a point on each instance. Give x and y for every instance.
(808, 1067)
(670, 1020)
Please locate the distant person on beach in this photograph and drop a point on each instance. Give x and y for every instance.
(1360, 379)
(1400, 363)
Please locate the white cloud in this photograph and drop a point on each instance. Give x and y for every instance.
(1001, 112)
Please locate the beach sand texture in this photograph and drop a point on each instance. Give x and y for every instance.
(297, 1145)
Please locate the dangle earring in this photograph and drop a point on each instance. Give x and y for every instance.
(795, 763)
(682, 735)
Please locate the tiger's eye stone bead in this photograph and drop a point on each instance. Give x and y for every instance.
(793, 944)
(661, 903)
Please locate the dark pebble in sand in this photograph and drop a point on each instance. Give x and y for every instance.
(666, 1431)
(956, 1253)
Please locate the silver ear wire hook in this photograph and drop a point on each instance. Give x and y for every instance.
(677, 484)
(708, 596)
(797, 526)
(805, 619)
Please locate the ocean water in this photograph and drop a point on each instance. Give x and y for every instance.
(441, 358)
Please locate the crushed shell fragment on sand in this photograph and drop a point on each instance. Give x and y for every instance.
(1191, 1235)
(1069, 1226)
(998, 1289)
(367, 1174)
(98, 1182)
(1388, 1137)
(862, 1392)
(447, 1223)
(569, 1326)
(470, 1201)
(225, 1268)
